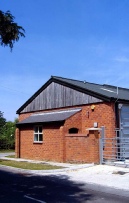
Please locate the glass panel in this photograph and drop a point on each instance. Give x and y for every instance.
(40, 129)
(40, 137)
(36, 137)
(36, 129)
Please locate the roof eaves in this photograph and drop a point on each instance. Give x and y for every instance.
(123, 101)
(39, 123)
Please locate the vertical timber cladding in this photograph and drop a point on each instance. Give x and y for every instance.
(124, 131)
(57, 96)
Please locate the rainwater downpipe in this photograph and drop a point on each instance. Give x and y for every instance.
(117, 113)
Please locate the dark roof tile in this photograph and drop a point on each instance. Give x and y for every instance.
(103, 90)
(50, 116)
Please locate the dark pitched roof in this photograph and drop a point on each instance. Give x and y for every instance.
(50, 116)
(104, 92)
(107, 91)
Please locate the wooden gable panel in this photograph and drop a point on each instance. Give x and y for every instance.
(57, 96)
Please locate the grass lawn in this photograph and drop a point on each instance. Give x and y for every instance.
(27, 165)
(11, 156)
(6, 150)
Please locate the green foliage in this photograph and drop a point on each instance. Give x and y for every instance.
(7, 133)
(2, 122)
(10, 32)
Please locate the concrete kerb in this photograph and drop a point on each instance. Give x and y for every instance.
(66, 166)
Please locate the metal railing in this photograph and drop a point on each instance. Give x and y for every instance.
(114, 149)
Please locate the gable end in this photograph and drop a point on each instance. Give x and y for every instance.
(56, 95)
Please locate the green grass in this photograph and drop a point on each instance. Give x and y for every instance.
(11, 156)
(27, 165)
(6, 150)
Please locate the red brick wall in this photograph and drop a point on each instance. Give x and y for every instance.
(57, 146)
(49, 149)
(24, 116)
(103, 114)
(82, 148)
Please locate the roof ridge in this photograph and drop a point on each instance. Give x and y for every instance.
(83, 81)
(66, 78)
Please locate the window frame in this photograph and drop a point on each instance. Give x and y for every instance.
(38, 133)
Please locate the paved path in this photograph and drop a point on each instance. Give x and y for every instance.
(6, 154)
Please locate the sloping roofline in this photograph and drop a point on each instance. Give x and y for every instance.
(96, 90)
(48, 117)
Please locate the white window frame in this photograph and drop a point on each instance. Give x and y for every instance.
(38, 133)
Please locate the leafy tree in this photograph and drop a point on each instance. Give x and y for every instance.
(8, 136)
(10, 32)
(7, 133)
(2, 122)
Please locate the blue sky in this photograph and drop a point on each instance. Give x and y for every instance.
(79, 39)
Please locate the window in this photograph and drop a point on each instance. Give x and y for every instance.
(73, 130)
(38, 134)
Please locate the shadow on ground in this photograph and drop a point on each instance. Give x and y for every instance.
(23, 187)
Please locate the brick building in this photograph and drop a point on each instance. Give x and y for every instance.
(62, 120)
